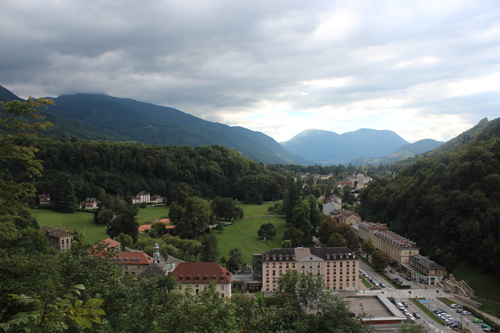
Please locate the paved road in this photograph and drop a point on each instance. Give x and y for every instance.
(430, 293)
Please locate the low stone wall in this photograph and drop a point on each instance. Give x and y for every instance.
(468, 301)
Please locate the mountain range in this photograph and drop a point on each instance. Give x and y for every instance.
(102, 117)
(359, 147)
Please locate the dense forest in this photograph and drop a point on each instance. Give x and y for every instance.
(448, 201)
(43, 290)
(125, 169)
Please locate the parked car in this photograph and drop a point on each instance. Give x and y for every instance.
(459, 310)
(455, 305)
(392, 271)
(485, 325)
(416, 315)
(455, 325)
(382, 285)
(410, 317)
(405, 304)
(465, 313)
(489, 329)
(408, 279)
(477, 320)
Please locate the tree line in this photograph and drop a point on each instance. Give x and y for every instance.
(449, 203)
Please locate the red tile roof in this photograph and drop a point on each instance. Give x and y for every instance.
(204, 271)
(139, 258)
(111, 242)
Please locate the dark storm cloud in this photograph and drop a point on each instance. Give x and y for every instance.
(226, 60)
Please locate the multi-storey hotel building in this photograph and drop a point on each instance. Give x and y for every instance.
(338, 266)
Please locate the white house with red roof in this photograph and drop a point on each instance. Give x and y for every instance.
(198, 275)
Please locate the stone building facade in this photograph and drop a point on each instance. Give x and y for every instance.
(338, 266)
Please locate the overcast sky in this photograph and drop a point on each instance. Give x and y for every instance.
(424, 69)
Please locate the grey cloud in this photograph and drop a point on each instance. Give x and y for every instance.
(204, 56)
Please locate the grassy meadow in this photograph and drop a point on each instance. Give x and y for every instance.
(243, 233)
(486, 286)
(152, 213)
(80, 221)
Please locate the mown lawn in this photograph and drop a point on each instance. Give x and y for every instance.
(80, 221)
(243, 235)
(256, 210)
(152, 213)
(484, 285)
(83, 221)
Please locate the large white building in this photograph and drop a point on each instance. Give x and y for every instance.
(338, 266)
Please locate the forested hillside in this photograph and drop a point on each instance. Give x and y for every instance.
(447, 201)
(125, 169)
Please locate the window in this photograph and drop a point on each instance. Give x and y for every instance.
(274, 265)
(287, 265)
(353, 264)
(267, 265)
(222, 287)
(222, 294)
(293, 265)
(267, 273)
(281, 265)
(328, 271)
(347, 264)
(274, 273)
(341, 264)
(327, 264)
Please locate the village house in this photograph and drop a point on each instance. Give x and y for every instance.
(397, 247)
(141, 197)
(44, 199)
(367, 230)
(198, 275)
(332, 204)
(59, 238)
(338, 266)
(344, 183)
(90, 203)
(425, 270)
(348, 217)
(133, 263)
(156, 199)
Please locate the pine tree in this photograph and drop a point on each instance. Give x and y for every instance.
(64, 199)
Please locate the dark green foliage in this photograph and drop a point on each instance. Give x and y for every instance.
(336, 240)
(267, 230)
(124, 170)
(300, 219)
(290, 198)
(379, 260)
(191, 221)
(447, 201)
(210, 248)
(235, 260)
(226, 209)
(63, 197)
(103, 216)
(125, 222)
(295, 236)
